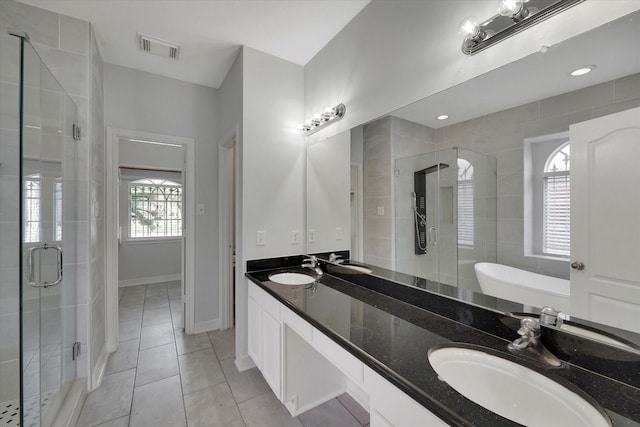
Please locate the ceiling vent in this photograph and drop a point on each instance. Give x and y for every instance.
(158, 47)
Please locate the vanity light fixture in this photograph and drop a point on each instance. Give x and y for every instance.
(442, 117)
(320, 120)
(512, 17)
(586, 69)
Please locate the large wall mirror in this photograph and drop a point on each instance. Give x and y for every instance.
(478, 201)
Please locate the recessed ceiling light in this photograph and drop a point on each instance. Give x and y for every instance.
(583, 70)
(442, 117)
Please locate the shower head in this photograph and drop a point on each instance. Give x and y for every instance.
(414, 200)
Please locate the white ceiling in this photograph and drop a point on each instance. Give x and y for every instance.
(210, 32)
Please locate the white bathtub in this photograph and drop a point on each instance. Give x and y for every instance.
(522, 286)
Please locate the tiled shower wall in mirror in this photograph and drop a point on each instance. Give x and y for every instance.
(502, 135)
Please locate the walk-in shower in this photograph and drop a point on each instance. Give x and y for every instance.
(38, 236)
(445, 215)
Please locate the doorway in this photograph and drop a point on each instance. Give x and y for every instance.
(227, 187)
(173, 157)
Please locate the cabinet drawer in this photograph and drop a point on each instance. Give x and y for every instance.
(340, 357)
(297, 323)
(270, 305)
(396, 408)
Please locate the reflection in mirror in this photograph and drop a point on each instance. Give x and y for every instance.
(493, 183)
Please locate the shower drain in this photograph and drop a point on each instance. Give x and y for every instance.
(9, 413)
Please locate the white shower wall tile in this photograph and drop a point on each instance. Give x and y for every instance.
(9, 101)
(627, 88)
(97, 327)
(9, 150)
(10, 380)
(520, 114)
(9, 291)
(9, 333)
(41, 25)
(10, 238)
(615, 108)
(579, 100)
(74, 35)
(70, 69)
(10, 65)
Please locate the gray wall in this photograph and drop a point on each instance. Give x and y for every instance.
(502, 135)
(147, 102)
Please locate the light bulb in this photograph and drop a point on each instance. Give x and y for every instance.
(583, 70)
(469, 26)
(509, 7)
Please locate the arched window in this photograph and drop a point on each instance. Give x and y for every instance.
(465, 203)
(155, 207)
(556, 223)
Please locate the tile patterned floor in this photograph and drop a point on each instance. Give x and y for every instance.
(161, 377)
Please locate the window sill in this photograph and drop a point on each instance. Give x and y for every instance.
(549, 257)
(151, 241)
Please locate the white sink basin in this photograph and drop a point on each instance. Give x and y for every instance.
(291, 278)
(512, 390)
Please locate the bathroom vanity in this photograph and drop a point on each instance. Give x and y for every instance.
(370, 337)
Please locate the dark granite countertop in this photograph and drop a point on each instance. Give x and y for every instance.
(393, 338)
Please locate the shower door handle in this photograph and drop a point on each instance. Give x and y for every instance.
(433, 235)
(31, 266)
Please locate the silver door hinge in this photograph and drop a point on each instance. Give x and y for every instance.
(76, 351)
(76, 132)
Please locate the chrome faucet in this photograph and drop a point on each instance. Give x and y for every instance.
(336, 259)
(312, 263)
(529, 343)
(550, 316)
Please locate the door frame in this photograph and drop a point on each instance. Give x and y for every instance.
(226, 232)
(111, 226)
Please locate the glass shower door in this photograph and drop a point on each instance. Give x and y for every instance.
(48, 241)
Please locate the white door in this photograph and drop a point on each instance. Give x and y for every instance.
(605, 219)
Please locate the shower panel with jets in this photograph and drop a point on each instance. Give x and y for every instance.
(445, 216)
(423, 237)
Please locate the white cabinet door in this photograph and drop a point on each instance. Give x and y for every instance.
(605, 219)
(254, 331)
(271, 354)
(391, 407)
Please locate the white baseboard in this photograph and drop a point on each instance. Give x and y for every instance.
(358, 394)
(244, 362)
(98, 370)
(149, 280)
(206, 326)
(70, 410)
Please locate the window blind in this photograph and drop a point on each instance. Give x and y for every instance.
(556, 215)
